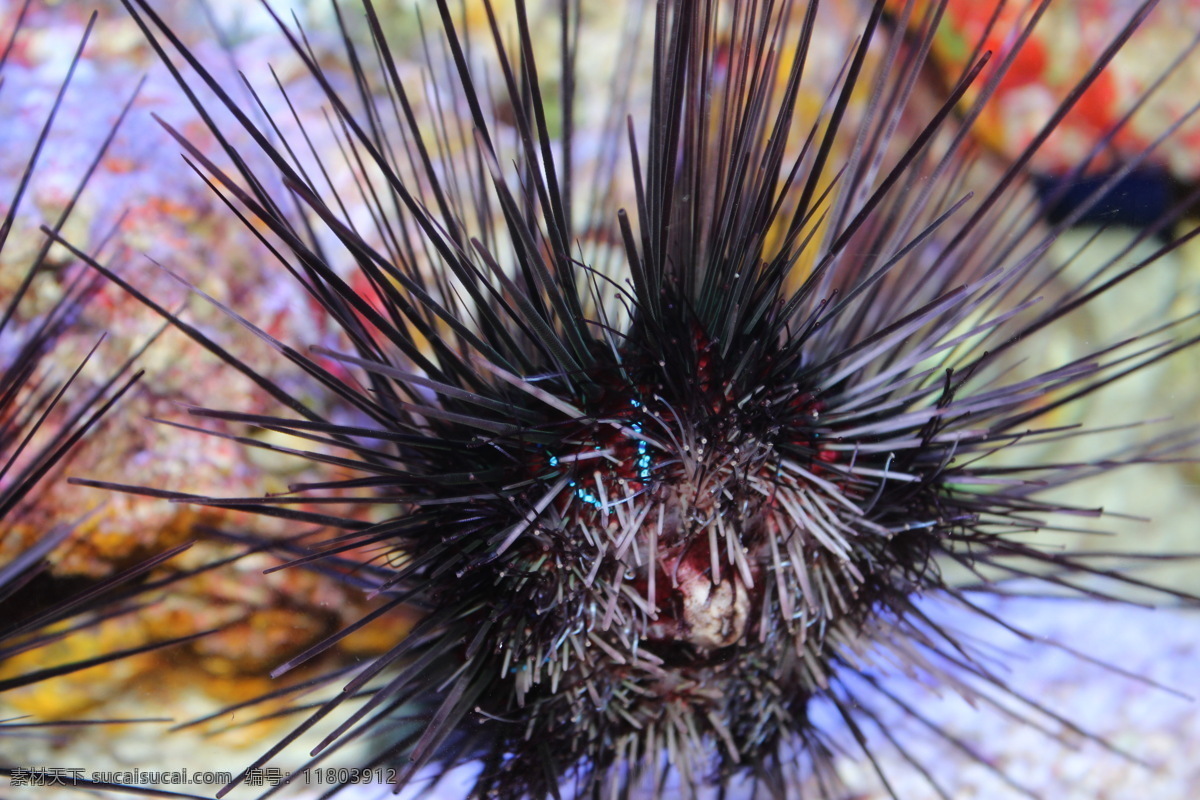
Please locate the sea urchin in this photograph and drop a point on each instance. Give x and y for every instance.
(649, 512)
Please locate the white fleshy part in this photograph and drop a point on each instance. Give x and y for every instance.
(714, 614)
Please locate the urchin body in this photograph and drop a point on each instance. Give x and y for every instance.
(677, 551)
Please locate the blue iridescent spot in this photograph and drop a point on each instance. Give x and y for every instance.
(643, 465)
(643, 462)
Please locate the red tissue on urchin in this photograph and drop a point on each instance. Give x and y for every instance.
(651, 512)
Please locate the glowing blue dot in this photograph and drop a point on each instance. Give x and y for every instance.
(588, 497)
